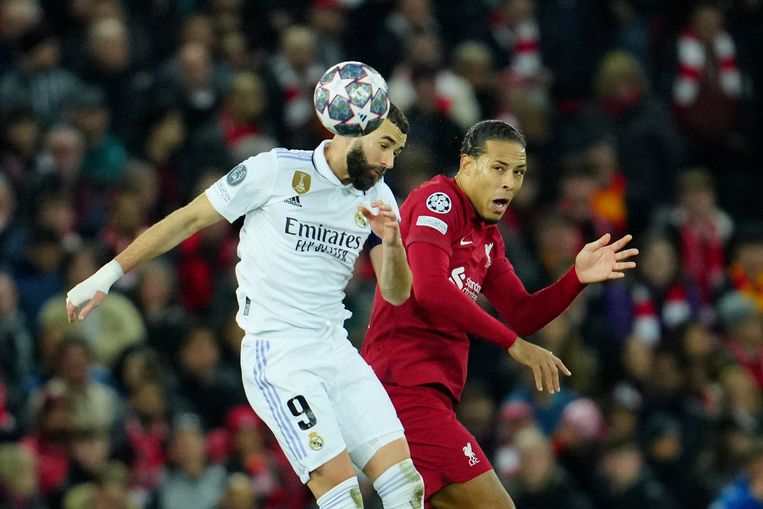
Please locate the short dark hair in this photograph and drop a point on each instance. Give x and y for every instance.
(486, 130)
(398, 118)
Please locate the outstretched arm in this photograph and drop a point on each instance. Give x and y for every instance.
(393, 275)
(452, 308)
(527, 313)
(161, 237)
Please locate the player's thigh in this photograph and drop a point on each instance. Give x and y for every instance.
(365, 414)
(442, 449)
(485, 490)
(290, 396)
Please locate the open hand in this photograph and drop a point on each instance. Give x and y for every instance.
(384, 224)
(71, 308)
(600, 261)
(543, 363)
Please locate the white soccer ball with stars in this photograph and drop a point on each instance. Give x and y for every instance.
(351, 99)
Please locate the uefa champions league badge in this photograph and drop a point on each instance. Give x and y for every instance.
(236, 175)
(315, 441)
(439, 203)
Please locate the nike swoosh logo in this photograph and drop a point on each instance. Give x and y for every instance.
(465, 242)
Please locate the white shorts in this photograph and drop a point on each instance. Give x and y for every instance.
(318, 397)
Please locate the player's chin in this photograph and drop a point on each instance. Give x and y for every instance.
(365, 184)
(493, 214)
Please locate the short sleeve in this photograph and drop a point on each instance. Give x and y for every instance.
(246, 187)
(435, 217)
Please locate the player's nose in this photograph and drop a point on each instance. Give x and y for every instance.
(387, 161)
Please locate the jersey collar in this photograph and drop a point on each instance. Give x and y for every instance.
(320, 163)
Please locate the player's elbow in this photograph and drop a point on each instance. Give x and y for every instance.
(396, 297)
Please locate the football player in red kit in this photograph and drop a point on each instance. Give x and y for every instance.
(419, 350)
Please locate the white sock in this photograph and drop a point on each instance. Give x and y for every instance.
(345, 495)
(401, 487)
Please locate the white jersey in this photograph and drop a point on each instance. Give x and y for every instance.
(301, 236)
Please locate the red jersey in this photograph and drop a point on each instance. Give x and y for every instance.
(454, 256)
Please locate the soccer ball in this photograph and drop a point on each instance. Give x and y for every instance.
(351, 99)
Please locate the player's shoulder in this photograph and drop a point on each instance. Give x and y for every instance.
(380, 191)
(290, 154)
(437, 194)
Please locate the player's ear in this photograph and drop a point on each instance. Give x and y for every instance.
(466, 164)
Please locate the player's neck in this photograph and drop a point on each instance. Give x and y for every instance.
(460, 184)
(337, 160)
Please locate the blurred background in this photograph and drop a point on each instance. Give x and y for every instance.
(641, 116)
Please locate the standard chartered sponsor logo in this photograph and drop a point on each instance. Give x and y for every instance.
(464, 283)
(457, 277)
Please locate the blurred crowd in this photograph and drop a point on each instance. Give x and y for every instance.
(641, 116)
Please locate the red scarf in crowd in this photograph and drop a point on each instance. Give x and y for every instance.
(523, 40)
(692, 58)
(648, 321)
(703, 259)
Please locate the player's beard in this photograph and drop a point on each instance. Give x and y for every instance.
(362, 174)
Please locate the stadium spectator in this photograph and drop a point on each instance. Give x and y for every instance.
(541, 481)
(625, 481)
(190, 481)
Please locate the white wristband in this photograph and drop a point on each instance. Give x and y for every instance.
(101, 281)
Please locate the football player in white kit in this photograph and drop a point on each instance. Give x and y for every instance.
(307, 217)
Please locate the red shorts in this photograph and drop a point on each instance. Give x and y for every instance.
(443, 451)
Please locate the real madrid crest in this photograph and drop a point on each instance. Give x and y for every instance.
(236, 175)
(360, 219)
(301, 182)
(315, 441)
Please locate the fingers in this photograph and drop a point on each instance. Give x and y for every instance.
(71, 311)
(383, 210)
(369, 215)
(619, 244)
(548, 377)
(624, 266)
(87, 309)
(622, 255)
(538, 377)
(554, 376)
(547, 370)
(601, 242)
(561, 366)
(94, 302)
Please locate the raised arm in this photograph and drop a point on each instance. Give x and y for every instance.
(529, 312)
(393, 275)
(161, 237)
